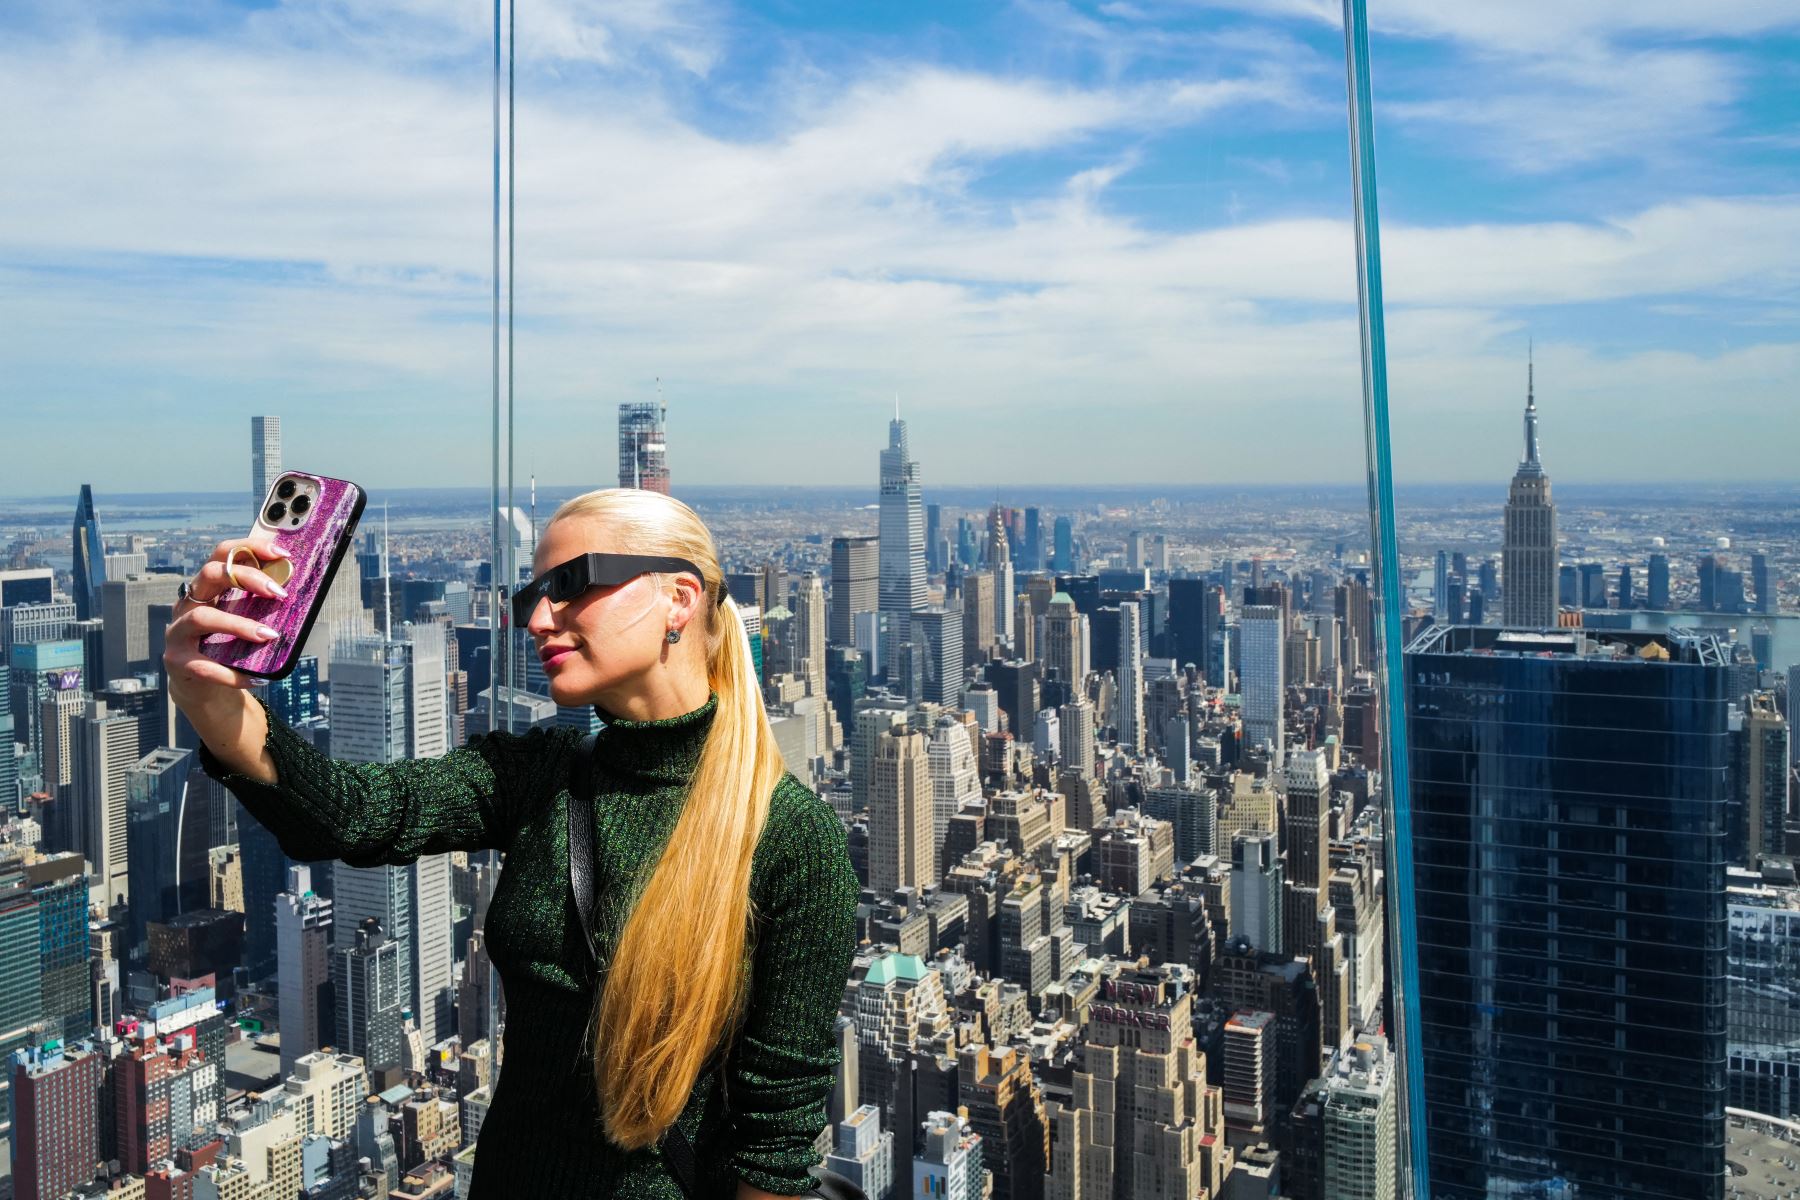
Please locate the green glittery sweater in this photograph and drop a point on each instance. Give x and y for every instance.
(542, 1135)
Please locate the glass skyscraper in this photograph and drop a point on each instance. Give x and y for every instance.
(1568, 822)
(901, 546)
(1763, 962)
(89, 561)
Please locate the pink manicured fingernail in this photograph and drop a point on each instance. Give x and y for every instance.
(279, 590)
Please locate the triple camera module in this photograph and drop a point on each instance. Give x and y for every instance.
(292, 497)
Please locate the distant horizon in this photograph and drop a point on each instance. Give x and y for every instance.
(1732, 485)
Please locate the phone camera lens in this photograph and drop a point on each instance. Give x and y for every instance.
(301, 504)
(285, 488)
(277, 511)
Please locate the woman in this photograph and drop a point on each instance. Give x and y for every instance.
(725, 899)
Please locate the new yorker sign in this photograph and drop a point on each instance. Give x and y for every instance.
(1131, 993)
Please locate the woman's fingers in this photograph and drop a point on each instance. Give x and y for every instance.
(261, 543)
(211, 581)
(203, 668)
(206, 620)
(253, 579)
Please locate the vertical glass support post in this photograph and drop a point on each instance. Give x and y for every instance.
(1385, 572)
(502, 568)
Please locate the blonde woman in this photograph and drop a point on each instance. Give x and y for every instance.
(723, 925)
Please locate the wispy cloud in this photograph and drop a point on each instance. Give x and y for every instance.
(292, 207)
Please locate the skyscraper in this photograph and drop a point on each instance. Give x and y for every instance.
(1757, 826)
(955, 775)
(265, 457)
(368, 973)
(1261, 677)
(1763, 960)
(59, 882)
(1568, 842)
(373, 720)
(1195, 610)
(1256, 891)
(1129, 715)
(809, 633)
(303, 950)
(1308, 818)
(1063, 554)
(1141, 1119)
(125, 606)
(1528, 556)
(1658, 597)
(1066, 642)
(643, 447)
(1024, 625)
(21, 968)
(902, 541)
(901, 853)
(1762, 582)
(977, 589)
(57, 1117)
(1359, 1123)
(167, 832)
(937, 637)
(89, 564)
(106, 749)
(855, 575)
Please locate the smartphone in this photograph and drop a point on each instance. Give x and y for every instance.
(313, 518)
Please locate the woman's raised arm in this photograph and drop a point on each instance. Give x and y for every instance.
(366, 814)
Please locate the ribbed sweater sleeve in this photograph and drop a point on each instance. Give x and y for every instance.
(365, 814)
(781, 1067)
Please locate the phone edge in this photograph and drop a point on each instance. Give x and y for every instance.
(331, 570)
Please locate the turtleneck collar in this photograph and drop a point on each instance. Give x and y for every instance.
(663, 751)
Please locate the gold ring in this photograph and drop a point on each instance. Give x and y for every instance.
(230, 561)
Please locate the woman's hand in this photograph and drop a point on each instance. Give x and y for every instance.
(194, 678)
(210, 694)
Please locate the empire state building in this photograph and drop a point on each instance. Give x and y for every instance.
(1528, 560)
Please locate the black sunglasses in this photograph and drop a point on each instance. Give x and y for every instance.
(565, 581)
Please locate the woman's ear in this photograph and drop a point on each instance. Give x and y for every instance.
(684, 603)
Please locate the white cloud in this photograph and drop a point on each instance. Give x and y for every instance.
(1538, 85)
(339, 210)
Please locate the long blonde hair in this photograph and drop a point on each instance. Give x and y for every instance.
(662, 1013)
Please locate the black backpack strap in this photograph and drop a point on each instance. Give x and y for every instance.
(679, 1154)
(581, 840)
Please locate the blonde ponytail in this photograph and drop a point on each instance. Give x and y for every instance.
(662, 1014)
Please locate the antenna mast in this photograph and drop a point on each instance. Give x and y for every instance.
(387, 598)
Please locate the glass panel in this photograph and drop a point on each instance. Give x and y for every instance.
(1592, 695)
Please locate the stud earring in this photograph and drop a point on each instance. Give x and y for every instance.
(674, 635)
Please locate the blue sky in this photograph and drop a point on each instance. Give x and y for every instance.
(1095, 242)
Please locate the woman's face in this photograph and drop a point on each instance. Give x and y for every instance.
(607, 638)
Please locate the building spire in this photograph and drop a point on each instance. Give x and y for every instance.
(1531, 438)
(387, 598)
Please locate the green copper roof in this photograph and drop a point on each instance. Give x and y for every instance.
(890, 967)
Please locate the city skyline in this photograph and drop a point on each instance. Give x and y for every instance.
(1013, 219)
(1291, 825)
(1083, 801)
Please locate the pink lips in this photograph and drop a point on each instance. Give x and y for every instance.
(554, 659)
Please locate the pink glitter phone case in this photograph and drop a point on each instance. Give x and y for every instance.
(314, 550)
